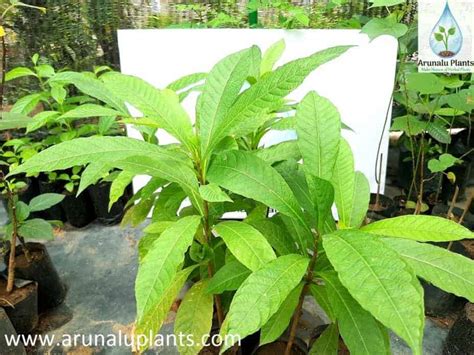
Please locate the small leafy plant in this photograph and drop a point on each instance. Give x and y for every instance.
(255, 273)
(443, 36)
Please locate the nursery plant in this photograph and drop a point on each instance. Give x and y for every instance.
(224, 116)
(270, 263)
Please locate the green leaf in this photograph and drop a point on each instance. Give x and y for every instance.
(228, 278)
(449, 271)
(58, 93)
(384, 26)
(157, 227)
(276, 235)
(327, 343)
(213, 193)
(301, 234)
(91, 86)
(422, 228)
(438, 131)
(137, 214)
(168, 203)
(439, 37)
(377, 3)
(90, 110)
(442, 29)
(424, 83)
(36, 228)
(278, 323)
(194, 317)
(186, 81)
(392, 294)
(246, 243)
(444, 162)
(162, 105)
(359, 330)
(41, 119)
(322, 195)
(279, 152)
(22, 211)
(45, 201)
(318, 126)
(452, 31)
(245, 174)
(91, 174)
(343, 181)
(82, 151)
(271, 56)
(262, 97)
(157, 272)
(18, 72)
(320, 294)
(12, 120)
(27, 103)
(262, 294)
(45, 71)
(153, 320)
(360, 200)
(118, 186)
(409, 124)
(222, 87)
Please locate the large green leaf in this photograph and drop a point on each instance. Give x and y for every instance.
(223, 84)
(383, 284)
(276, 235)
(90, 110)
(82, 151)
(447, 270)
(343, 181)
(245, 174)
(92, 87)
(213, 193)
(186, 81)
(11, 120)
(271, 56)
(322, 195)
(92, 173)
(279, 152)
(27, 103)
(158, 270)
(327, 343)
(194, 317)
(267, 93)
(153, 320)
(422, 228)
(277, 324)
(18, 72)
(162, 105)
(228, 278)
(171, 171)
(360, 331)
(247, 244)
(44, 201)
(301, 234)
(360, 200)
(36, 228)
(262, 294)
(318, 126)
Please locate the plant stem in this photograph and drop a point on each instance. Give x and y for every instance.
(11, 261)
(466, 208)
(304, 291)
(4, 71)
(419, 202)
(207, 237)
(453, 202)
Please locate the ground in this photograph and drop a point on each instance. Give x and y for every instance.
(99, 264)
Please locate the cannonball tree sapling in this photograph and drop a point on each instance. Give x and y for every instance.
(239, 101)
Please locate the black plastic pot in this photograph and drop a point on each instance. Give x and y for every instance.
(460, 338)
(6, 328)
(440, 303)
(55, 212)
(51, 291)
(21, 306)
(99, 194)
(383, 210)
(78, 209)
(441, 210)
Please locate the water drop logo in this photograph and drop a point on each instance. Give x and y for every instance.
(446, 36)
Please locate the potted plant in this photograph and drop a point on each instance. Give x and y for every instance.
(297, 252)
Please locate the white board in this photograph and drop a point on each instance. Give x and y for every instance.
(359, 82)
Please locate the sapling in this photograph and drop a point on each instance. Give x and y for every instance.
(242, 95)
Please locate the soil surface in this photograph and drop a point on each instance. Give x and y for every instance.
(446, 54)
(16, 296)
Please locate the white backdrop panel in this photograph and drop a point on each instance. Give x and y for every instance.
(359, 83)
